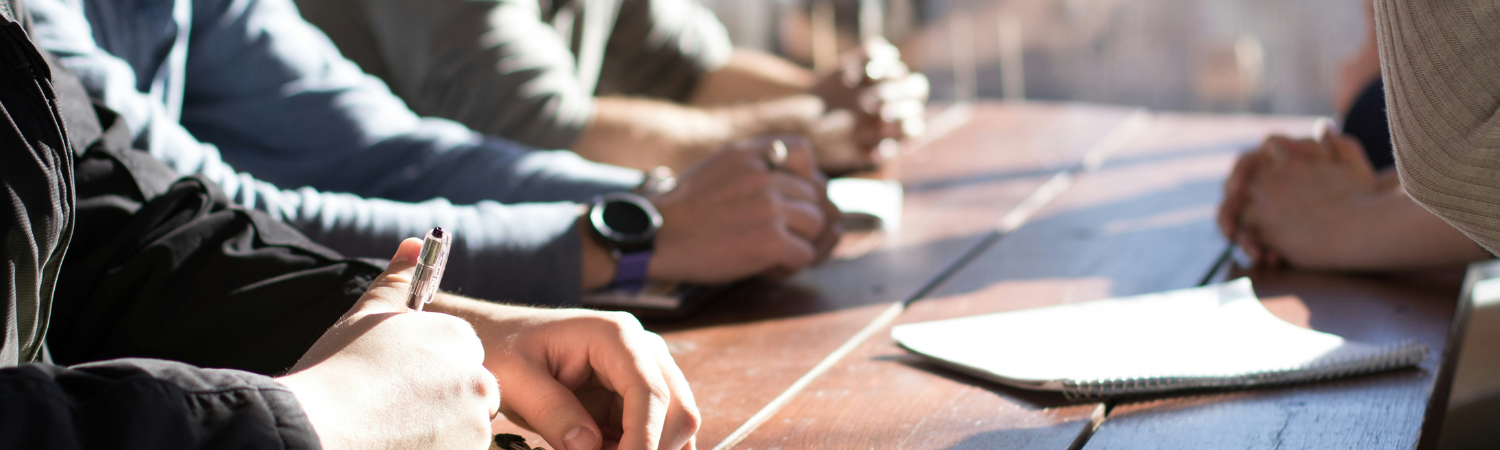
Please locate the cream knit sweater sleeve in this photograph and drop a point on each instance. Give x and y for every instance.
(1441, 63)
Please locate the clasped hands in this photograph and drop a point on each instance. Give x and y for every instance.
(872, 99)
(387, 377)
(1302, 202)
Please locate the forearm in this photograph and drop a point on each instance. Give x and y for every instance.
(527, 253)
(473, 310)
(1401, 235)
(643, 133)
(752, 76)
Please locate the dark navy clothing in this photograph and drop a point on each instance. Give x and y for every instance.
(1366, 121)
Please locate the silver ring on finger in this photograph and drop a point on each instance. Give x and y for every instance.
(776, 157)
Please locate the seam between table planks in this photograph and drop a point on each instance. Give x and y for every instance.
(1216, 272)
(1092, 160)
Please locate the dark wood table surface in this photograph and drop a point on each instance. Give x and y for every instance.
(1013, 206)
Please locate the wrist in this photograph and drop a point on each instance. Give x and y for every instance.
(790, 115)
(597, 265)
(313, 396)
(625, 225)
(1361, 220)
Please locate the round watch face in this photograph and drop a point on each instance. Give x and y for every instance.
(627, 220)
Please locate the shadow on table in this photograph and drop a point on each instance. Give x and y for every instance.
(1362, 306)
(1160, 239)
(1029, 399)
(1016, 437)
(1069, 244)
(880, 277)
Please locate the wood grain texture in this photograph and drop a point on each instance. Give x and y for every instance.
(1376, 411)
(1142, 223)
(747, 347)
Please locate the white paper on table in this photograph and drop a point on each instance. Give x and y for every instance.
(876, 199)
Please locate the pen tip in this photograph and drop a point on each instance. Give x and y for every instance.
(437, 232)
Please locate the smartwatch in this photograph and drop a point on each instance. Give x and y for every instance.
(626, 224)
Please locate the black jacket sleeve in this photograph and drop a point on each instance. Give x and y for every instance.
(124, 403)
(167, 268)
(147, 404)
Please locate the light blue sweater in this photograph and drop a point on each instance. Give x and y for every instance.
(248, 94)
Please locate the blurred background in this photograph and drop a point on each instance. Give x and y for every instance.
(1261, 56)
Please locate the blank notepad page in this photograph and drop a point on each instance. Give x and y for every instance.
(1214, 336)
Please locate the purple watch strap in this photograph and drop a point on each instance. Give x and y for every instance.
(630, 271)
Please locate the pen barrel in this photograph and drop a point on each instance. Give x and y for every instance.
(434, 251)
(423, 286)
(429, 274)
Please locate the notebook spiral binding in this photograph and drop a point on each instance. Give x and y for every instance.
(1392, 356)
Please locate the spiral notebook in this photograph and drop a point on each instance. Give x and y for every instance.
(1217, 336)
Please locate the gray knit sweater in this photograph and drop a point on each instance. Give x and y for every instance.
(1441, 63)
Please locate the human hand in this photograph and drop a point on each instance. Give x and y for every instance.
(1236, 197)
(386, 377)
(1302, 202)
(732, 217)
(583, 379)
(873, 99)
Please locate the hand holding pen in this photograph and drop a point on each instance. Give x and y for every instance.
(379, 363)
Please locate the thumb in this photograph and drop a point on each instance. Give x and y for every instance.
(552, 411)
(388, 293)
(1351, 154)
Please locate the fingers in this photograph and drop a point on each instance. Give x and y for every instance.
(1275, 148)
(612, 371)
(883, 59)
(794, 188)
(1254, 242)
(893, 109)
(1348, 151)
(799, 157)
(1248, 239)
(874, 60)
(833, 229)
(389, 290)
(1246, 232)
(869, 131)
(802, 195)
(842, 139)
(683, 420)
(550, 409)
(1281, 147)
(803, 218)
(794, 253)
(633, 372)
(491, 395)
(912, 89)
(1236, 189)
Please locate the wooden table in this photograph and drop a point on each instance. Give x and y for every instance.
(1019, 206)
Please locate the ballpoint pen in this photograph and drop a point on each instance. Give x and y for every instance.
(430, 264)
